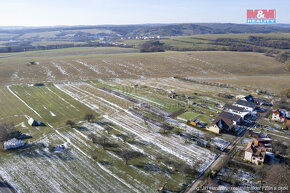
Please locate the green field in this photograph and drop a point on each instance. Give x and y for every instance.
(206, 41)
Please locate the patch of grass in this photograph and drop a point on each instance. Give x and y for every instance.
(189, 115)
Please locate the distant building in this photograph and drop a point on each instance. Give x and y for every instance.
(250, 106)
(257, 101)
(279, 115)
(255, 154)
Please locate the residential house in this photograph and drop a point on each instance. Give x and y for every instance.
(255, 154)
(236, 110)
(264, 142)
(250, 106)
(236, 119)
(279, 115)
(257, 101)
(220, 124)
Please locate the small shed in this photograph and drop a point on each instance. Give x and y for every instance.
(194, 122)
(13, 144)
(35, 123)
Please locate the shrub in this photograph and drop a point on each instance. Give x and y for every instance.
(286, 92)
(152, 46)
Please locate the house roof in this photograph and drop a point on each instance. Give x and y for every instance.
(222, 123)
(263, 139)
(233, 107)
(229, 116)
(249, 147)
(280, 112)
(256, 150)
(246, 103)
(249, 98)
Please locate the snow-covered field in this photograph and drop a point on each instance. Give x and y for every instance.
(84, 166)
(134, 125)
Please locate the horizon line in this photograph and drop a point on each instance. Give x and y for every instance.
(92, 25)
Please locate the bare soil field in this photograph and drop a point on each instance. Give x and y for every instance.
(74, 64)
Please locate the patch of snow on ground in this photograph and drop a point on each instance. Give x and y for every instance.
(62, 71)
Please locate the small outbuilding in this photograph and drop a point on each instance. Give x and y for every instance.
(13, 144)
(35, 123)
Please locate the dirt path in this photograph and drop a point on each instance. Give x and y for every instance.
(221, 161)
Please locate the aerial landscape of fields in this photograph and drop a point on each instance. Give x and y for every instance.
(182, 107)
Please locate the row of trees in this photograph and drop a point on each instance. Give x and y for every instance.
(26, 46)
(88, 117)
(8, 131)
(152, 46)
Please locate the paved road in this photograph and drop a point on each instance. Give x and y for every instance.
(221, 160)
(5, 188)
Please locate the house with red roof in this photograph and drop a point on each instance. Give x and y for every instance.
(278, 115)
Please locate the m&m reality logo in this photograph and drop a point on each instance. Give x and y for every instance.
(261, 16)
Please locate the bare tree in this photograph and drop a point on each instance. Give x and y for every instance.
(166, 128)
(162, 189)
(93, 137)
(108, 129)
(124, 137)
(102, 141)
(207, 136)
(89, 117)
(8, 131)
(129, 154)
(71, 123)
(278, 175)
(279, 148)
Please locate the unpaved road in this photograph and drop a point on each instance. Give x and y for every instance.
(220, 161)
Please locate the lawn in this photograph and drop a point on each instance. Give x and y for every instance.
(189, 115)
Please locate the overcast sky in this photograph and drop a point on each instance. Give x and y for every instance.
(96, 12)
